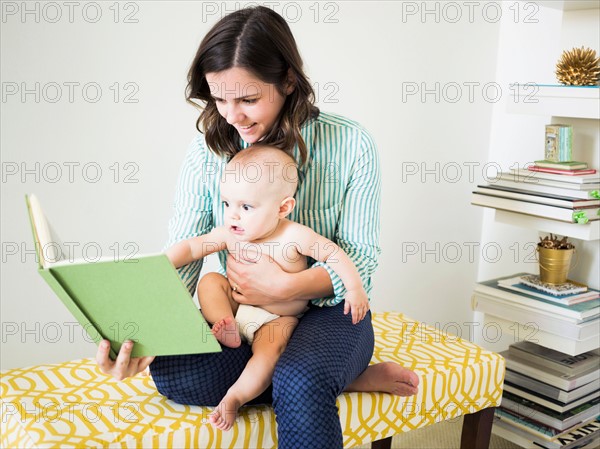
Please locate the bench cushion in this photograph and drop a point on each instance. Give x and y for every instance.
(72, 404)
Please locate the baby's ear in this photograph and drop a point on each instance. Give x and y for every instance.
(286, 207)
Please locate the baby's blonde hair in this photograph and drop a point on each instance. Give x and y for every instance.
(273, 166)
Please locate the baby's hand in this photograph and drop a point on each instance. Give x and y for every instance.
(357, 302)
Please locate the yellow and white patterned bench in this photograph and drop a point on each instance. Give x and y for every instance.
(72, 404)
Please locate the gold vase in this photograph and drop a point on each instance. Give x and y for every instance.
(555, 264)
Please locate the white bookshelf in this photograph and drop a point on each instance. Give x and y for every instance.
(579, 107)
(589, 231)
(517, 331)
(558, 101)
(567, 103)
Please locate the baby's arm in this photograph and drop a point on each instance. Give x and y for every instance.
(320, 248)
(188, 250)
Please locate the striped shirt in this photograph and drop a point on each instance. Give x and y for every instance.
(338, 197)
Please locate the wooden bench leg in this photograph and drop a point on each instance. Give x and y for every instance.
(386, 443)
(477, 429)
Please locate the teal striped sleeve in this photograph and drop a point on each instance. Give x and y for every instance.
(358, 227)
(193, 206)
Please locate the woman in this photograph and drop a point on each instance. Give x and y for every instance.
(248, 75)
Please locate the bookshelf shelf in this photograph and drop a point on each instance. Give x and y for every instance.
(555, 100)
(589, 231)
(541, 337)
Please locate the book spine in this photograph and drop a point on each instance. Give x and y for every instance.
(525, 411)
(528, 424)
(508, 431)
(559, 143)
(591, 181)
(567, 166)
(558, 171)
(566, 139)
(569, 155)
(528, 370)
(551, 150)
(590, 431)
(551, 189)
(561, 290)
(523, 354)
(548, 403)
(547, 390)
(540, 210)
(562, 144)
(559, 361)
(531, 301)
(549, 321)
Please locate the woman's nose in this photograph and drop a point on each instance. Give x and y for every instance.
(233, 114)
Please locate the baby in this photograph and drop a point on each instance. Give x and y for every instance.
(257, 192)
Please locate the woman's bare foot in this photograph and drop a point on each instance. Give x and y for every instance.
(225, 413)
(226, 332)
(387, 377)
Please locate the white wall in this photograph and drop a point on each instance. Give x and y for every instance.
(364, 65)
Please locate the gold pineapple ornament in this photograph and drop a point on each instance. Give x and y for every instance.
(578, 67)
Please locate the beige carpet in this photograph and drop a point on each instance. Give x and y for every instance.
(444, 435)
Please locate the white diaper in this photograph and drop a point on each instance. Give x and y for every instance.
(250, 319)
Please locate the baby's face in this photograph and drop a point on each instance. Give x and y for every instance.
(251, 207)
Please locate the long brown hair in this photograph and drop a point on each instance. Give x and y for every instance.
(259, 40)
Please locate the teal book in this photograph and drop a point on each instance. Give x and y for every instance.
(141, 299)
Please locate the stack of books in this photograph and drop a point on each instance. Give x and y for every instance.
(571, 322)
(568, 197)
(568, 293)
(551, 396)
(551, 399)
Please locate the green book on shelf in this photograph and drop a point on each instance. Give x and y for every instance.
(567, 165)
(141, 299)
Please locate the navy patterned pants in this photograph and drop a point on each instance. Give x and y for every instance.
(325, 354)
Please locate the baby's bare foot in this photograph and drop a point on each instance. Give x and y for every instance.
(387, 377)
(227, 333)
(225, 413)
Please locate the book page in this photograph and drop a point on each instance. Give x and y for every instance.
(81, 260)
(48, 246)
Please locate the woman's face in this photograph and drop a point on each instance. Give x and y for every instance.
(247, 103)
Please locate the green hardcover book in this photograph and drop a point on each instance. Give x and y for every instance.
(141, 299)
(570, 165)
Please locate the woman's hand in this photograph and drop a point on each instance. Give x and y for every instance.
(260, 282)
(124, 366)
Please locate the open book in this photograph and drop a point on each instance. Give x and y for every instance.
(141, 299)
